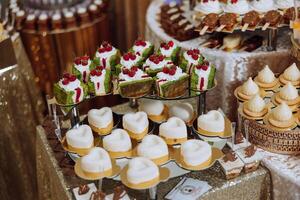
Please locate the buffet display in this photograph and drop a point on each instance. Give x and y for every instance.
(269, 106)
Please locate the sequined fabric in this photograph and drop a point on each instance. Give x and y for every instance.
(21, 107)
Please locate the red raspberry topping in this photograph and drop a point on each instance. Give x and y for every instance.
(131, 73)
(101, 50)
(126, 56)
(77, 61)
(140, 43)
(205, 1)
(65, 82)
(234, 1)
(204, 67)
(134, 68)
(196, 51)
(98, 73)
(161, 58)
(93, 72)
(84, 62)
(170, 43)
(132, 56)
(190, 52)
(85, 58)
(152, 58)
(66, 75)
(166, 70)
(125, 71)
(100, 68)
(172, 71)
(195, 56)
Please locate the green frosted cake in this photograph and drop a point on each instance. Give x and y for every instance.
(82, 67)
(171, 82)
(170, 50)
(134, 82)
(143, 48)
(107, 56)
(155, 64)
(100, 81)
(128, 60)
(202, 77)
(69, 90)
(190, 58)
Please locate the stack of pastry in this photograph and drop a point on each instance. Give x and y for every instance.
(266, 79)
(255, 108)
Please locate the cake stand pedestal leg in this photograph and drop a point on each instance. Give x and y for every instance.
(192, 4)
(153, 193)
(74, 117)
(133, 103)
(100, 184)
(202, 103)
(272, 40)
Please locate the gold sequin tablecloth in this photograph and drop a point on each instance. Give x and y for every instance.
(20, 111)
(56, 175)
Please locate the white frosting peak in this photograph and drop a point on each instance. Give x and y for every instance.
(288, 92)
(250, 88)
(292, 73)
(282, 112)
(266, 75)
(256, 104)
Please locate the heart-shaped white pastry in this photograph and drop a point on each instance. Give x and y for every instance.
(173, 128)
(195, 152)
(152, 147)
(100, 118)
(151, 107)
(117, 141)
(96, 161)
(213, 121)
(136, 123)
(81, 137)
(141, 170)
(183, 111)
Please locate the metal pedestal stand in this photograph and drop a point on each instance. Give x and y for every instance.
(202, 103)
(272, 39)
(74, 117)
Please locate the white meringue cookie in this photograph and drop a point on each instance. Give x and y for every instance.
(256, 104)
(288, 92)
(266, 75)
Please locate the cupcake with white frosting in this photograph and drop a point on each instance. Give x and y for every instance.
(266, 78)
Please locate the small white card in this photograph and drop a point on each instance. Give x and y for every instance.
(188, 189)
(87, 195)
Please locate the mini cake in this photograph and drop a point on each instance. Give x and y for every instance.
(281, 116)
(291, 74)
(134, 82)
(284, 4)
(171, 82)
(232, 165)
(174, 131)
(96, 162)
(107, 56)
(288, 94)
(169, 50)
(129, 60)
(255, 107)
(69, 90)
(144, 48)
(184, 111)
(154, 148)
(237, 6)
(101, 120)
(155, 110)
(248, 89)
(142, 171)
(189, 59)
(262, 6)
(209, 6)
(195, 153)
(118, 143)
(136, 124)
(80, 138)
(202, 77)
(266, 78)
(212, 122)
(99, 82)
(155, 64)
(251, 158)
(82, 67)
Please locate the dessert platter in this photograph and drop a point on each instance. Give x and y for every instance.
(269, 109)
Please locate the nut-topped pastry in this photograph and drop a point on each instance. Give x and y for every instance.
(255, 107)
(228, 21)
(281, 116)
(266, 78)
(288, 94)
(272, 18)
(248, 89)
(210, 21)
(291, 74)
(251, 18)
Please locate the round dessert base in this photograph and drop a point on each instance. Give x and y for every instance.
(268, 86)
(215, 155)
(139, 136)
(283, 81)
(103, 131)
(78, 151)
(173, 141)
(164, 174)
(225, 134)
(267, 122)
(117, 155)
(241, 97)
(263, 114)
(160, 118)
(114, 171)
(276, 100)
(158, 161)
(254, 115)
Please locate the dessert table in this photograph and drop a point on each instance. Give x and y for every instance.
(233, 67)
(56, 174)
